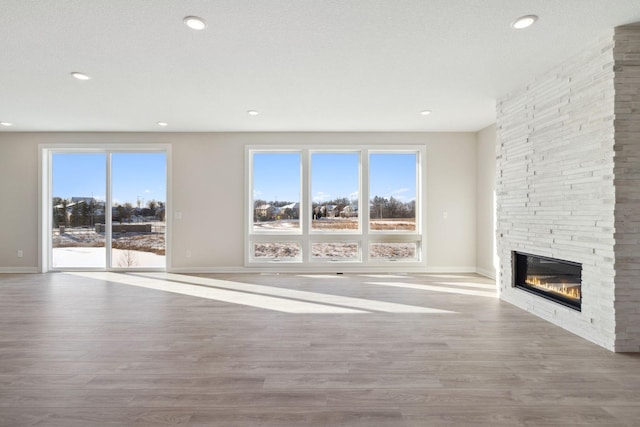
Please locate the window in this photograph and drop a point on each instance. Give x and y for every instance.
(305, 205)
(335, 183)
(392, 191)
(276, 251)
(276, 192)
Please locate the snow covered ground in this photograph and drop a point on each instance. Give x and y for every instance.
(338, 224)
(334, 250)
(84, 248)
(283, 224)
(95, 257)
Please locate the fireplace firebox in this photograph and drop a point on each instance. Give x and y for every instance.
(550, 278)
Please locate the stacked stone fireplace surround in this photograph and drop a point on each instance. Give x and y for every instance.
(568, 186)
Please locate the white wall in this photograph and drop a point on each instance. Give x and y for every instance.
(485, 190)
(208, 181)
(451, 174)
(18, 204)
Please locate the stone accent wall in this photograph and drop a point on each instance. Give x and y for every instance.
(568, 186)
(627, 183)
(555, 190)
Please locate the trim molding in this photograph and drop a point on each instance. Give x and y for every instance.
(310, 270)
(231, 270)
(491, 274)
(19, 270)
(446, 270)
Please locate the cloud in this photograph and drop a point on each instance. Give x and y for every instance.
(400, 191)
(353, 196)
(400, 194)
(147, 191)
(321, 197)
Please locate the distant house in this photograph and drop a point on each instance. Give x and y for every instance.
(291, 210)
(330, 211)
(70, 205)
(350, 211)
(78, 211)
(86, 200)
(266, 211)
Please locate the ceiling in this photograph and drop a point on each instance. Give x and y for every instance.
(304, 65)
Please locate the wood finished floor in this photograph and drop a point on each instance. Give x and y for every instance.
(104, 350)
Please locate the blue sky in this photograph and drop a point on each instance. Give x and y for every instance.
(276, 176)
(135, 176)
(334, 176)
(393, 175)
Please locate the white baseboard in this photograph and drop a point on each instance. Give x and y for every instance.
(209, 270)
(491, 274)
(19, 270)
(237, 270)
(445, 270)
(319, 270)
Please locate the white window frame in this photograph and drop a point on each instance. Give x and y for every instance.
(45, 208)
(305, 237)
(250, 207)
(310, 191)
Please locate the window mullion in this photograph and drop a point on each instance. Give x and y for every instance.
(305, 203)
(364, 204)
(108, 213)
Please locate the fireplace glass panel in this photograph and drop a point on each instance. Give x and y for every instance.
(554, 279)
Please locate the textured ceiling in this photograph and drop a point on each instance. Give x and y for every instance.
(305, 65)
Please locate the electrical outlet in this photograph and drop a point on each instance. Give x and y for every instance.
(20, 253)
(445, 215)
(188, 254)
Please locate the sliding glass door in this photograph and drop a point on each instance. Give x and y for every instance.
(114, 200)
(79, 182)
(137, 206)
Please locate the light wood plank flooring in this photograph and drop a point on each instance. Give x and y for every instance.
(106, 349)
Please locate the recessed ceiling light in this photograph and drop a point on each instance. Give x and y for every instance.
(194, 23)
(163, 124)
(252, 113)
(524, 22)
(6, 124)
(80, 76)
(425, 112)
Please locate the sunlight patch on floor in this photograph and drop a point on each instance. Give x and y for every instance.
(234, 297)
(267, 297)
(314, 297)
(436, 289)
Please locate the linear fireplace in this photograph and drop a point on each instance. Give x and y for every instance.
(550, 278)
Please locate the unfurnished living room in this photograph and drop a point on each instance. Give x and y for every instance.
(320, 213)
